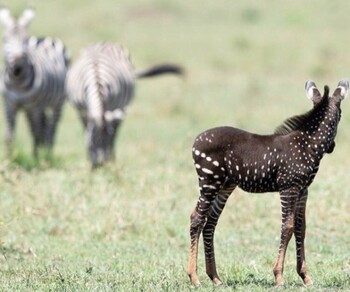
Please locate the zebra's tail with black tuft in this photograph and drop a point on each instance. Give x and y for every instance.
(160, 69)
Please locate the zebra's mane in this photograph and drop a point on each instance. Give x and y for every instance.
(297, 122)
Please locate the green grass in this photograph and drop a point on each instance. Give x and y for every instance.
(125, 227)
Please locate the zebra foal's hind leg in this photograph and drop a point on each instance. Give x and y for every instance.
(209, 230)
(198, 219)
(208, 192)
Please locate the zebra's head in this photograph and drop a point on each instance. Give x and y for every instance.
(15, 40)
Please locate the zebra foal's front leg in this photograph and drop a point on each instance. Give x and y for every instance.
(209, 230)
(299, 233)
(288, 199)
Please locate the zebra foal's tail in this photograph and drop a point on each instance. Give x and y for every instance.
(159, 70)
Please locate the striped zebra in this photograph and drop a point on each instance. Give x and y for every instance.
(100, 85)
(33, 79)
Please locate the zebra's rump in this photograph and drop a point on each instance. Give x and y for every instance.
(103, 73)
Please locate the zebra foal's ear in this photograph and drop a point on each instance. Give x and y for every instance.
(5, 17)
(342, 90)
(312, 92)
(26, 17)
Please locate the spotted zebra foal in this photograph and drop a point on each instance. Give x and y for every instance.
(285, 162)
(100, 85)
(33, 79)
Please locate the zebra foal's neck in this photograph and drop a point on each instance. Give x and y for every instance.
(316, 129)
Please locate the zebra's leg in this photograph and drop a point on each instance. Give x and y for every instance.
(209, 230)
(288, 199)
(34, 120)
(112, 129)
(95, 137)
(53, 116)
(42, 119)
(299, 233)
(198, 219)
(83, 118)
(10, 111)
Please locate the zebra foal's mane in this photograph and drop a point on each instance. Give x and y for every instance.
(297, 122)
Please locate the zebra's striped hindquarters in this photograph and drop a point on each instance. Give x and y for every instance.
(100, 85)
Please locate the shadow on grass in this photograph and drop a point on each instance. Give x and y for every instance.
(16, 253)
(28, 162)
(250, 280)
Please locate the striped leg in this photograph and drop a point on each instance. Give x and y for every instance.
(51, 126)
(10, 126)
(208, 193)
(209, 230)
(43, 124)
(299, 233)
(95, 143)
(83, 118)
(112, 129)
(288, 200)
(35, 119)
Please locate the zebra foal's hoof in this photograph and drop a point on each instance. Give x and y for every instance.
(194, 281)
(308, 281)
(217, 282)
(279, 286)
(196, 284)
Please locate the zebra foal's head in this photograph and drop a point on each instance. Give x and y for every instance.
(15, 39)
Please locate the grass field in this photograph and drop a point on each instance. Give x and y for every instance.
(125, 227)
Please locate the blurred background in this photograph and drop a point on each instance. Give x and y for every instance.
(125, 226)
